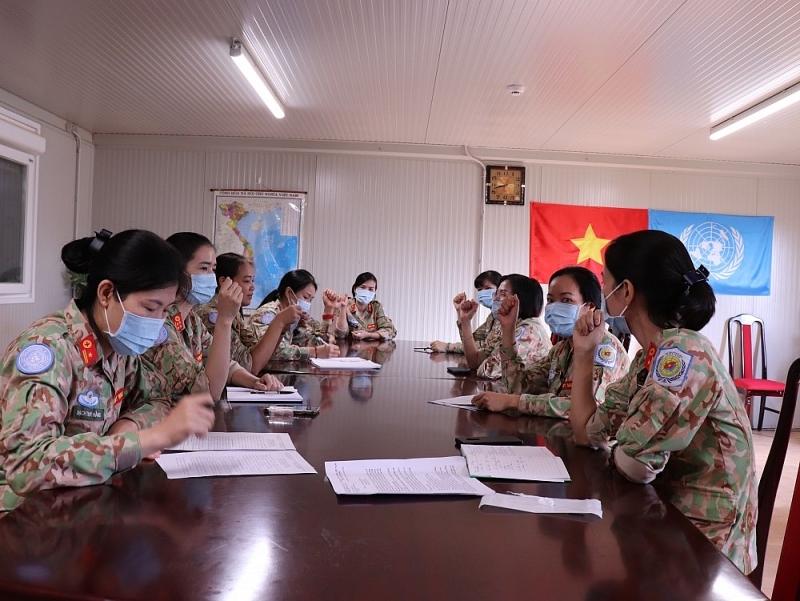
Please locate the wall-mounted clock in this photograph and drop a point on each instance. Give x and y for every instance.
(505, 185)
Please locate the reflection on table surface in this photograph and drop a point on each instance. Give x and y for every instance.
(142, 536)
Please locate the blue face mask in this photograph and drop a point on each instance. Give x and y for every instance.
(304, 305)
(495, 306)
(561, 318)
(364, 297)
(203, 287)
(615, 322)
(485, 297)
(135, 335)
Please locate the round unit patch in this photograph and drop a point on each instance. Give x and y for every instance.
(671, 366)
(35, 359)
(606, 355)
(267, 318)
(162, 335)
(212, 317)
(88, 399)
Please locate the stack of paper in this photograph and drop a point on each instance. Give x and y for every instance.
(288, 394)
(234, 454)
(514, 463)
(534, 504)
(345, 363)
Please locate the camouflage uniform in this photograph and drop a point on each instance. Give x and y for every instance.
(291, 344)
(480, 335)
(532, 343)
(60, 395)
(677, 415)
(373, 319)
(243, 335)
(545, 385)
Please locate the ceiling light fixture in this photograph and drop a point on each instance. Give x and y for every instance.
(757, 112)
(253, 75)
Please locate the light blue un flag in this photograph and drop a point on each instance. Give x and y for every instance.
(737, 250)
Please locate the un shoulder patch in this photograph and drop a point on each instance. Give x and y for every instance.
(671, 367)
(267, 318)
(35, 359)
(212, 317)
(521, 333)
(605, 355)
(162, 335)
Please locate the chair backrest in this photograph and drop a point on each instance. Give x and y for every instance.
(771, 475)
(751, 337)
(787, 577)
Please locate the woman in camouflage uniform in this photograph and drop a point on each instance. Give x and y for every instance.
(543, 387)
(77, 405)
(677, 417)
(485, 283)
(366, 319)
(530, 336)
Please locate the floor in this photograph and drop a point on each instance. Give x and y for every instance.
(763, 440)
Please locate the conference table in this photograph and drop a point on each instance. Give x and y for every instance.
(142, 536)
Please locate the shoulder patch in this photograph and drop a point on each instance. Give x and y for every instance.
(671, 367)
(88, 399)
(267, 318)
(352, 321)
(605, 355)
(521, 333)
(551, 375)
(35, 359)
(212, 317)
(162, 335)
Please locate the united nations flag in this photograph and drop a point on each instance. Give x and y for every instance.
(736, 250)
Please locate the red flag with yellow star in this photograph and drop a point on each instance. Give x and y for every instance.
(564, 235)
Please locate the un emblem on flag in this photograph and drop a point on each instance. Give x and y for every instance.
(719, 247)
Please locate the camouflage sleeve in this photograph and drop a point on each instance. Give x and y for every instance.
(606, 421)
(148, 399)
(383, 324)
(520, 378)
(608, 371)
(547, 405)
(288, 351)
(171, 365)
(308, 335)
(456, 348)
(240, 352)
(533, 344)
(482, 331)
(247, 333)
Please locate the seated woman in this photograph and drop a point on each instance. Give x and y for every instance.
(365, 316)
(70, 381)
(485, 283)
(302, 339)
(531, 338)
(190, 358)
(677, 417)
(543, 387)
(250, 347)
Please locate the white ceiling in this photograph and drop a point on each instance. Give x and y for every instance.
(630, 77)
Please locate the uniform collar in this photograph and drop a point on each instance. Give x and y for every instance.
(81, 331)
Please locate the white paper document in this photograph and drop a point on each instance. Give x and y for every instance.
(459, 402)
(288, 394)
(514, 463)
(237, 441)
(233, 463)
(345, 363)
(534, 504)
(434, 476)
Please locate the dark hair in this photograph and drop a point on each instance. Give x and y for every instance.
(656, 262)
(297, 279)
(134, 260)
(588, 284)
(229, 264)
(529, 292)
(188, 243)
(493, 276)
(361, 278)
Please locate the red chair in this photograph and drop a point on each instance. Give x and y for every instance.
(787, 578)
(748, 326)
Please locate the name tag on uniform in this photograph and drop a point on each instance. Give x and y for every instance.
(86, 414)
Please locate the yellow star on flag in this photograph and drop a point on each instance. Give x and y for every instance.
(590, 246)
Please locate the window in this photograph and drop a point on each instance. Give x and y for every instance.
(20, 147)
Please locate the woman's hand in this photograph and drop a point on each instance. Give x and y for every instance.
(327, 351)
(288, 316)
(268, 382)
(467, 310)
(496, 401)
(193, 415)
(458, 299)
(329, 300)
(230, 299)
(508, 312)
(588, 331)
(437, 346)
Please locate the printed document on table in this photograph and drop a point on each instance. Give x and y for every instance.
(237, 441)
(514, 463)
(459, 402)
(233, 463)
(345, 363)
(433, 476)
(534, 504)
(288, 394)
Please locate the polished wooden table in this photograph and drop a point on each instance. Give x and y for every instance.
(290, 537)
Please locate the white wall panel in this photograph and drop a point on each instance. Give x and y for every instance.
(595, 187)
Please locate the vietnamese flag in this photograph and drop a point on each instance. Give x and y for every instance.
(563, 235)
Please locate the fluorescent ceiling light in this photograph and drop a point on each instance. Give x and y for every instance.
(757, 112)
(253, 75)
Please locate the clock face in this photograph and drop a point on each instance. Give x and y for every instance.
(505, 184)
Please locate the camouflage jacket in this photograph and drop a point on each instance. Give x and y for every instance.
(60, 394)
(294, 343)
(373, 319)
(243, 335)
(678, 418)
(532, 343)
(480, 335)
(546, 384)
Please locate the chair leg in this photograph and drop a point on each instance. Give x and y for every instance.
(761, 412)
